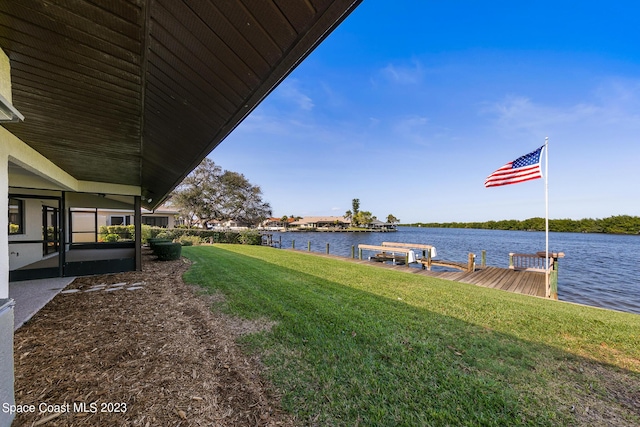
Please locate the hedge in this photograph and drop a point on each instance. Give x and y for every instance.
(154, 242)
(247, 237)
(166, 251)
(126, 232)
(123, 232)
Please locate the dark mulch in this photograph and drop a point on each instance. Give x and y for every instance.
(159, 350)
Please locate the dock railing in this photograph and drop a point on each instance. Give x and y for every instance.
(528, 262)
(536, 263)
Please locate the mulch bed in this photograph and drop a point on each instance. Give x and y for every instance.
(158, 351)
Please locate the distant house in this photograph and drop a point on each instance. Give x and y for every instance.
(276, 224)
(272, 224)
(379, 225)
(163, 216)
(235, 225)
(227, 225)
(321, 222)
(337, 222)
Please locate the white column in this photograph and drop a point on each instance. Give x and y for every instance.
(5, 91)
(4, 223)
(6, 305)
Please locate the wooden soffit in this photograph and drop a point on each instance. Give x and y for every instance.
(139, 92)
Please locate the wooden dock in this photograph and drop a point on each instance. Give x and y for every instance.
(522, 282)
(506, 279)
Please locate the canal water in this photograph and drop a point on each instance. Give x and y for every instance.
(601, 270)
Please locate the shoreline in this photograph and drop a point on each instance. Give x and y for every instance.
(329, 231)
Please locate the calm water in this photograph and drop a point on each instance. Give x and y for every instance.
(598, 269)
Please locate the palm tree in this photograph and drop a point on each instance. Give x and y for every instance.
(348, 215)
(392, 219)
(355, 205)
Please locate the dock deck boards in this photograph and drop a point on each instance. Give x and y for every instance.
(522, 282)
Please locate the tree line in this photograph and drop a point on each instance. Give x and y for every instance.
(619, 224)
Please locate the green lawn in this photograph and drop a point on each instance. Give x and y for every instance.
(361, 345)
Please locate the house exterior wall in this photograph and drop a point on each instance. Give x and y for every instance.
(6, 359)
(6, 305)
(4, 221)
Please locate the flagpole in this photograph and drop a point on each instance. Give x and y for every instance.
(546, 220)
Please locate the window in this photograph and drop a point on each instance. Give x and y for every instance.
(156, 221)
(120, 220)
(50, 229)
(83, 226)
(117, 220)
(16, 216)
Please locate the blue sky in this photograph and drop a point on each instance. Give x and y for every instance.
(409, 105)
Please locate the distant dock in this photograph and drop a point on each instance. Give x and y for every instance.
(328, 230)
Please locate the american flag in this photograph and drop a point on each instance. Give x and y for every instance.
(522, 169)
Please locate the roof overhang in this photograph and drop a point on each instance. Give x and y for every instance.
(138, 93)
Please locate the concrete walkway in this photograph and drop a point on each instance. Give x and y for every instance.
(31, 295)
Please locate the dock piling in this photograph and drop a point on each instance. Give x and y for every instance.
(553, 279)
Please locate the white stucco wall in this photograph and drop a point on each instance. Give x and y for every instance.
(4, 222)
(5, 90)
(6, 305)
(6, 360)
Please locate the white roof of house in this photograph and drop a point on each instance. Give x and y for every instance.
(162, 209)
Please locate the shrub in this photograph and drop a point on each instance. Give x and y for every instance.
(250, 237)
(167, 251)
(213, 236)
(229, 237)
(124, 232)
(189, 240)
(155, 241)
(145, 233)
(110, 238)
(164, 235)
